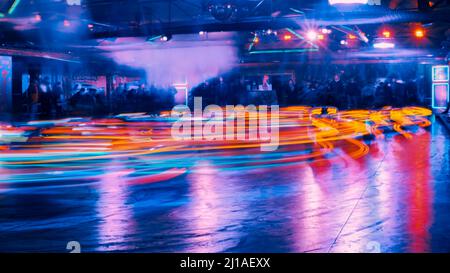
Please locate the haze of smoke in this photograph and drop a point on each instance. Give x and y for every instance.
(167, 66)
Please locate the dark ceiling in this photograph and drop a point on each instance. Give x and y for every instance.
(59, 24)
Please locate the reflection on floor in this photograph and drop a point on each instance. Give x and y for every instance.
(355, 181)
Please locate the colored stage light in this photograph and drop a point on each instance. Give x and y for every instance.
(287, 37)
(384, 45)
(386, 34)
(166, 38)
(352, 37)
(37, 18)
(325, 30)
(66, 23)
(336, 2)
(321, 37)
(311, 35)
(419, 33)
(256, 40)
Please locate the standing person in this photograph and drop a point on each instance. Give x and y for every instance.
(388, 96)
(397, 87)
(335, 91)
(92, 100)
(266, 85)
(421, 89)
(367, 95)
(379, 95)
(76, 98)
(171, 93)
(45, 97)
(292, 92)
(33, 98)
(56, 97)
(237, 86)
(412, 93)
(221, 92)
(354, 93)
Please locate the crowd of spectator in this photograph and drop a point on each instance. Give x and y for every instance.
(354, 93)
(342, 92)
(142, 99)
(123, 99)
(43, 98)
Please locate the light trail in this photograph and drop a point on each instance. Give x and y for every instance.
(77, 152)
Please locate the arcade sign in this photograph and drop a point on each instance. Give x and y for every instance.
(440, 88)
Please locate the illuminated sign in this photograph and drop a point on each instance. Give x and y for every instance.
(5, 83)
(440, 73)
(440, 92)
(440, 95)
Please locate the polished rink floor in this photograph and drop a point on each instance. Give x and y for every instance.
(357, 182)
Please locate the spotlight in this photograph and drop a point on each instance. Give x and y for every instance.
(325, 30)
(321, 37)
(386, 34)
(165, 38)
(37, 17)
(256, 40)
(352, 37)
(287, 37)
(419, 33)
(311, 35)
(343, 42)
(202, 33)
(90, 26)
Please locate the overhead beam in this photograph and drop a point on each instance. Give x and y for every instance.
(293, 22)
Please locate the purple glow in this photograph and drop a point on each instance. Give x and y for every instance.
(176, 60)
(384, 45)
(311, 35)
(335, 2)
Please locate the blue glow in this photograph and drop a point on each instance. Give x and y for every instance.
(433, 95)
